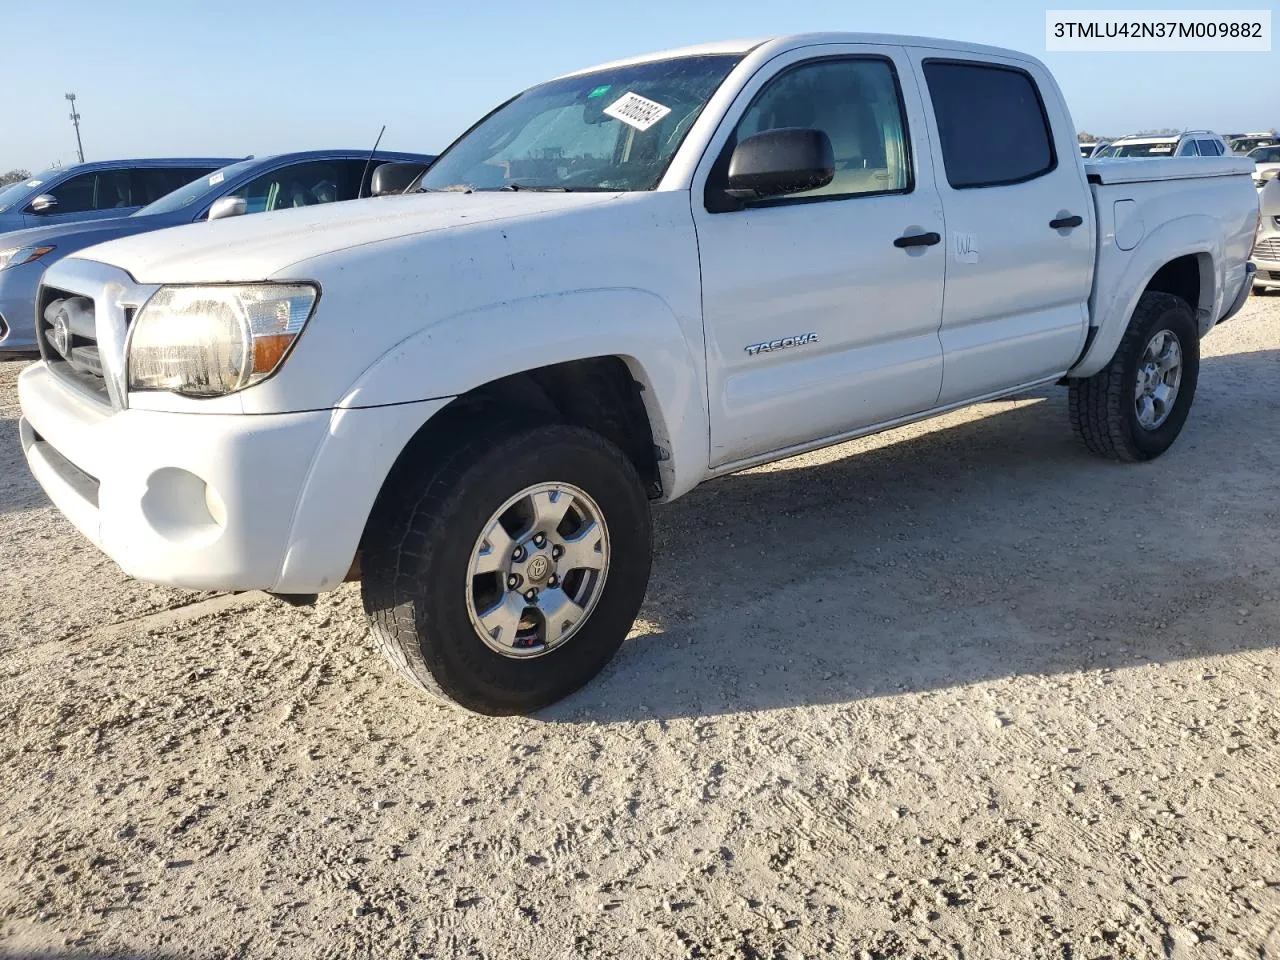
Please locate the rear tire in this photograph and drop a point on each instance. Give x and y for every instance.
(1118, 412)
(435, 521)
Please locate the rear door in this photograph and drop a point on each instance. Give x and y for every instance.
(1020, 224)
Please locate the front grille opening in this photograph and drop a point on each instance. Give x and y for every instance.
(83, 484)
(71, 351)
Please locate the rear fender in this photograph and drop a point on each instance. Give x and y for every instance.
(1122, 277)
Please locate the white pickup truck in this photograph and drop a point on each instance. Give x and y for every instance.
(623, 282)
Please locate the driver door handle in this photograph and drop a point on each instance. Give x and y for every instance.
(1064, 223)
(918, 240)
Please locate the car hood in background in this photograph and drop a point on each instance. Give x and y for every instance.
(83, 234)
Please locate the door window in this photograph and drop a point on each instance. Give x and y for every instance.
(1209, 148)
(300, 185)
(991, 123)
(150, 184)
(856, 103)
(1188, 149)
(105, 190)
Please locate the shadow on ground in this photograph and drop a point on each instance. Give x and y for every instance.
(992, 547)
(987, 549)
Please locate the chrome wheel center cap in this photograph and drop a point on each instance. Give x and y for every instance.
(538, 569)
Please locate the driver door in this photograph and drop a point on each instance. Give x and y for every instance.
(818, 319)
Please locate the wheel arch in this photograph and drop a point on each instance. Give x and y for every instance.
(1183, 257)
(624, 346)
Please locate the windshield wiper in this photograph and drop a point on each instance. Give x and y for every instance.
(514, 187)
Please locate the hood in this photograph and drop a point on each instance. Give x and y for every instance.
(259, 246)
(80, 234)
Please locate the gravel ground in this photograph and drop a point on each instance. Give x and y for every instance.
(958, 690)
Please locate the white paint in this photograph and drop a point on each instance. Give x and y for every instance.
(428, 296)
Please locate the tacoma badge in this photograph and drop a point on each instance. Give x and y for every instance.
(770, 345)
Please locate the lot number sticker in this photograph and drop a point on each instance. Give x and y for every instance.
(636, 111)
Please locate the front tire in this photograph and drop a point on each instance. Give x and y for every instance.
(1134, 408)
(503, 573)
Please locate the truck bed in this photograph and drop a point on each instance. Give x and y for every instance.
(1145, 169)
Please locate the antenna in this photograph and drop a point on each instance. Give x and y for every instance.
(365, 173)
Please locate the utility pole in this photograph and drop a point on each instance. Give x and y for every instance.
(75, 118)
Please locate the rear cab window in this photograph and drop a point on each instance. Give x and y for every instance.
(992, 124)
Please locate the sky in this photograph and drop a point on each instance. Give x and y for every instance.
(232, 78)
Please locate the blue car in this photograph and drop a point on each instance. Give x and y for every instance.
(96, 191)
(249, 186)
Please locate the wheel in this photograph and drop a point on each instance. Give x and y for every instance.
(504, 574)
(1134, 408)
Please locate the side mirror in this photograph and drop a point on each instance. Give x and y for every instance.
(392, 178)
(776, 162)
(45, 203)
(228, 207)
(1270, 174)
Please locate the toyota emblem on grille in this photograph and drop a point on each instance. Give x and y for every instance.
(60, 334)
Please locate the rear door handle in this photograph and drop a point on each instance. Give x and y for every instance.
(918, 240)
(1063, 223)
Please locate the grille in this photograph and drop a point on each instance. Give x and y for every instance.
(1273, 274)
(77, 363)
(1268, 249)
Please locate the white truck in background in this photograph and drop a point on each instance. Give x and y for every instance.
(623, 282)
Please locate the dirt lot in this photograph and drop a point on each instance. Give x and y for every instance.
(960, 690)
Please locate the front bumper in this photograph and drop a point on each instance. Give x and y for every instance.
(214, 501)
(1268, 275)
(191, 500)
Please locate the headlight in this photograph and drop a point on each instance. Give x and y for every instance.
(211, 341)
(17, 256)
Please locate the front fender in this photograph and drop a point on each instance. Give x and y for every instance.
(459, 353)
(1122, 277)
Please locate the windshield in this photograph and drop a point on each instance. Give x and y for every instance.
(1261, 155)
(610, 130)
(196, 190)
(1246, 144)
(16, 191)
(1162, 149)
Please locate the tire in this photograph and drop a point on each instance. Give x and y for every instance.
(425, 536)
(1104, 409)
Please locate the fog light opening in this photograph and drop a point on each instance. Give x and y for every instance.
(213, 503)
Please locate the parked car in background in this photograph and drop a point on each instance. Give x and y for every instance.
(1266, 248)
(1266, 161)
(1192, 143)
(96, 191)
(249, 186)
(617, 285)
(1249, 142)
(1091, 147)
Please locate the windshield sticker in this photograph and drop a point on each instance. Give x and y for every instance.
(34, 183)
(1162, 149)
(636, 111)
(600, 91)
(216, 179)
